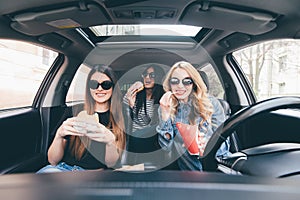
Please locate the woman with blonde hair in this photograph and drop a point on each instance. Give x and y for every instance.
(186, 101)
(80, 144)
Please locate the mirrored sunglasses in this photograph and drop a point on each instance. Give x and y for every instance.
(106, 85)
(185, 81)
(151, 75)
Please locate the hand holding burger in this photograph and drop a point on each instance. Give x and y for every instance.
(132, 92)
(136, 87)
(86, 122)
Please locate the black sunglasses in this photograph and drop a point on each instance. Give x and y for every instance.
(151, 75)
(106, 85)
(185, 81)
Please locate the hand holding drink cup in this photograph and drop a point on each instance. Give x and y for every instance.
(193, 139)
(202, 141)
(189, 136)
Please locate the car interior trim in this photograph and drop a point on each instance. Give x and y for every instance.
(253, 23)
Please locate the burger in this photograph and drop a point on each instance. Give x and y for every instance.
(138, 86)
(86, 123)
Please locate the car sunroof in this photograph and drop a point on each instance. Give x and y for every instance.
(145, 29)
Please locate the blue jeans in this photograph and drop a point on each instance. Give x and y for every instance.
(60, 167)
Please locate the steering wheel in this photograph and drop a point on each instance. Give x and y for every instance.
(236, 120)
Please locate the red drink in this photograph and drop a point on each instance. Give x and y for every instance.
(189, 134)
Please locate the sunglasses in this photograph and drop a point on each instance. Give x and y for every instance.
(106, 85)
(185, 81)
(151, 75)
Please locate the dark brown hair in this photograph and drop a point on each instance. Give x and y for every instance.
(116, 121)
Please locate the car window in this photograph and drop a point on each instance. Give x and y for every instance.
(23, 66)
(272, 68)
(213, 82)
(77, 87)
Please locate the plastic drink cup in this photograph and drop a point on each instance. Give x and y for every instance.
(189, 134)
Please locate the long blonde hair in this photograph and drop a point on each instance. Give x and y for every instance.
(201, 105)
(116, 121)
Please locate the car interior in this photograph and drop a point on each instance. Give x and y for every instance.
(265, 143)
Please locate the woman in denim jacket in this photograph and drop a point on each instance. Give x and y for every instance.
(187, 101)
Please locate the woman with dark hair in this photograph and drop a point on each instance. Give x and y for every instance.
(142, 104)
(80, 144)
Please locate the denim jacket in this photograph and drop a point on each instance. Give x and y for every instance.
(175, 143)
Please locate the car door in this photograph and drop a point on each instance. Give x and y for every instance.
(272, 71)
(23, 69)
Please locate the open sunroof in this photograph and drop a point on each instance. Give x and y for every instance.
(145, 29)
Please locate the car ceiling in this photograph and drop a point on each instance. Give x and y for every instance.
(231, 23)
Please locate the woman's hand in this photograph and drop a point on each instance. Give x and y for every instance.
(131, 99)
(91, 129)
(132, 92)
(57, 147)
(71, 126)
(166, 105)
(98, 132)
(201, 141)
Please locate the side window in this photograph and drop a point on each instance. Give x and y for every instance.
(272, 68)
(76, 91)
(214, 85)
(23, 66)
(77, 88)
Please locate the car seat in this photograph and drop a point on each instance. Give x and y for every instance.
(234, 141)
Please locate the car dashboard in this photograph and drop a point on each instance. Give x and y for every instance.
(147, 185)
